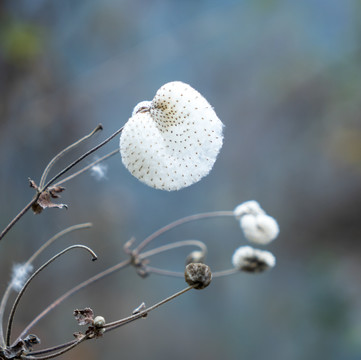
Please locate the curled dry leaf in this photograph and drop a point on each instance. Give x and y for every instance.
(44, 201)
(84, 316)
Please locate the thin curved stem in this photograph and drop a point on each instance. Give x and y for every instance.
(91, 151)
(17, 300)
(72, 176)
(72, 345)
(63, 152)
(222, 273)
(53, 348)
(179, 222)
(172, 246)
(72, 291)
(50, 182)
(7, 293)
(127, 320)
(154, 270)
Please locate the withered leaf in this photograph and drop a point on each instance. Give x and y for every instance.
(44, 200)
(84, 317)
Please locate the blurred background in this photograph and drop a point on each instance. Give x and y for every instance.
(284, 77)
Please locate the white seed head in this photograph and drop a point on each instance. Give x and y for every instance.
(248, 207)
(172, 141)
(248, 259)
(260, 229)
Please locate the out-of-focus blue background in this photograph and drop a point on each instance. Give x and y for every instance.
(284, 77)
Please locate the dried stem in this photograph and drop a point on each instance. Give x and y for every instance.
(12, 312)
(114, 152)
(77, 161)
(56, 177)
(63, 152)
(72, 291)
(172, 246)
(127, 320)
(179, 222)
(70, 345)
(30, 261)
(18, 216)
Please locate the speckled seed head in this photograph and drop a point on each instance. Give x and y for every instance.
(198, 275)
(172, 141)
(248, 259)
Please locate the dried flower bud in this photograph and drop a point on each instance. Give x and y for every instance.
(172, 141)
(248, 259)
(260, 229)
(248, 207)
(196, 256)
(198, 275)
(99, 322)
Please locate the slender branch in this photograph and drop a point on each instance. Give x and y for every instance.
(154, 270)
(63, 152)
(114, 152)
(217, 274)
(127, 320)
(56, 237)
(172, 246)
(72, 345)
(18, 216)
(53, 348)
(179, 222)
(56, 177)
(72, 291)
(30, 261)
(91, 151)
(12, 313)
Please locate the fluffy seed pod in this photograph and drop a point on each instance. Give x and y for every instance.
(248, 207)
(248, 259)
(196, 257)
(260, 229)
(172, 141)
(198, 275)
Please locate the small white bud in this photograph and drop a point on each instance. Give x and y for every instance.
(20, 275)
(248, 207)
(99, 321)
(196, 256)
(172, 141)
(260, 229)
(248, 259)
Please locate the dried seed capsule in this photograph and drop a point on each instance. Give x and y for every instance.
(198, 275)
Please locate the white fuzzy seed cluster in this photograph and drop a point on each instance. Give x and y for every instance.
(172, 141)
(248, 259)
(257, 226)
(20, 274)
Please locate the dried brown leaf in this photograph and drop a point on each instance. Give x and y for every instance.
(84, 316)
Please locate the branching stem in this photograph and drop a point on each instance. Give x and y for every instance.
(17, 300)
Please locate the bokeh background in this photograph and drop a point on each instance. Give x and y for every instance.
(284, 77)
